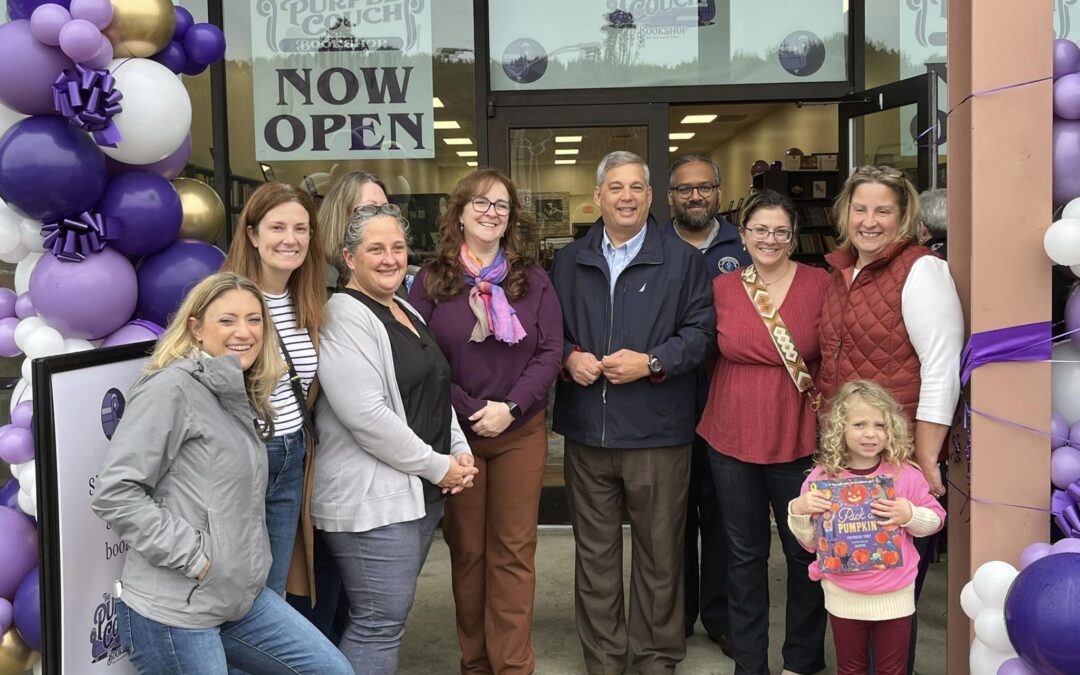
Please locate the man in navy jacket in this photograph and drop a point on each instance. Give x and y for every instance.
(638, 321)
(694, 197)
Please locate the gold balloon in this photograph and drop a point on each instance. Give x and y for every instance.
(140, 27)
(16, 657)
(204, 214)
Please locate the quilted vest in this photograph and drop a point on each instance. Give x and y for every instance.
(863, 336)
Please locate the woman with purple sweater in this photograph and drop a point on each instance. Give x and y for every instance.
(496, 318)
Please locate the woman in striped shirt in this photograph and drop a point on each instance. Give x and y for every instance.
(270, 247)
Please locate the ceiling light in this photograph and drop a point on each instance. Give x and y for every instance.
(446, 124)
(680, 136)
(672, 148)
(566, 151)
(698, 119)
(470, 163)
(568, 139)
(436, 102)
(566, 161)
(466, 153)
(457, 141)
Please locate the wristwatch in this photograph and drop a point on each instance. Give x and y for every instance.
(655, 367)
(515, 410)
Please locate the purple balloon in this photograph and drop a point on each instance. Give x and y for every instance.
(24, 306)
(1015, 666)
(9, 494)
(22, 415)
(7, 303)
(103, 57)
(46, 22)
(172, 56)
(27, 69)
(89, 299)
(49, 169)
(1064, 466)
(193, 68)
(16, 445)
(1034, 552)
(166, 276)
(170, 167)
(184, 21)
(143, 213)
(1066, 145)
(97, 12)
(27, 607)
(1067, 96)
(18, 550)
(134, 331)
(80, 40)
(7, 615)
(1066, 57)
(204, 43)
(1042, 614)
(1069, 545)
(24, 9)
(7, 337)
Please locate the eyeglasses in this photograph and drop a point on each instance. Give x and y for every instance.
(686, 190)
(370, 210)
(482, 204)
(782, 236)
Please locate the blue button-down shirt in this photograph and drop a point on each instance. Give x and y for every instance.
(618, 257)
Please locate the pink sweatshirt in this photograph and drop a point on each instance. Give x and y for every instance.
(894, 587)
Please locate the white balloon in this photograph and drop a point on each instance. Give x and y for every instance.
(970, 602)
(17, 256)
(72, 345)
(8, 118)
(985, 661)
(22, 391)
(23, 270)
(1062, 241)
(990, 628)
(25, 328)
(1065, 381)
(156, 113)
(29, 472)
(10, 236)
(27, 504)
(45, 341)
(992, 581)
(30, 230)
(16, 470)
(1072, 209)
(27, 370)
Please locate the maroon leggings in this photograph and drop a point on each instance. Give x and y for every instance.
(852, 638)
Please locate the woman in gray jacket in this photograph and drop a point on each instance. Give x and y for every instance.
(183, 484)
(389, 441)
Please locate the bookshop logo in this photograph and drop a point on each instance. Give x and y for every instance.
(112, 409)
(105, 633)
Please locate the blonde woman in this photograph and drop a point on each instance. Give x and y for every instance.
(183, 484)
(350, 192)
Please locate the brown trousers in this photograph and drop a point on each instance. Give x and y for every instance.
(651, 484)
(491, 531)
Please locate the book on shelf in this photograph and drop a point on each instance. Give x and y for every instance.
(850, 538)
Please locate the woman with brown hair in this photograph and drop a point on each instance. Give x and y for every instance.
(495, 315)
(270, 247)
(350, 192)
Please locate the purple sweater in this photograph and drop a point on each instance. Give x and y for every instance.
(492, 370)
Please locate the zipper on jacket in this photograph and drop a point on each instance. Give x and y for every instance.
(192, 592)
(603, 386)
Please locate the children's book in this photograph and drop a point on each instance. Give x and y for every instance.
(850, 538)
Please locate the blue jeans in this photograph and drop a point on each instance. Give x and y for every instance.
(379, 570)
(270, 638)
(284, 485)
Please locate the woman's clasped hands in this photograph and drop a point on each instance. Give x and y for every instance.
(460, 474)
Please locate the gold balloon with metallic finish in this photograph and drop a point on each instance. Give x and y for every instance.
(141, 27)
(204, 214)
(16, 657)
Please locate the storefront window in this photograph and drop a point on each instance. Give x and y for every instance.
(585, 44)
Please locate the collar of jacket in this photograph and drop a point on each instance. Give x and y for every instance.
(223, 376)
(651, 253)
(846, 256)
(727, 233)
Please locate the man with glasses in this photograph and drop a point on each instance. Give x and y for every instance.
(638, 321)
(694, 197)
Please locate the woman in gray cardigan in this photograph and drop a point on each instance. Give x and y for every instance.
(389, 443)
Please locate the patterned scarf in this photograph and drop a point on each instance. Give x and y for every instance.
(487, 300)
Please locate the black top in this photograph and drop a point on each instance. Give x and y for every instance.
(423, 378)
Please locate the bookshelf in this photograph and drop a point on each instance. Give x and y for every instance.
(813, 193)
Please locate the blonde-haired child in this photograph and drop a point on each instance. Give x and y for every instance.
(867, 434)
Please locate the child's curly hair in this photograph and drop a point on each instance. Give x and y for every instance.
(832, 456)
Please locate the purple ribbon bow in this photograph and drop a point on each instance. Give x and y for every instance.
(1065, 505)
(75, 237)
(88, 99)
(1030, 342)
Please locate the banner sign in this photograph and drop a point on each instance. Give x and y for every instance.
(78, 401)
(349, 79)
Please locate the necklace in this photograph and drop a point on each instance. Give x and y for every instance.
(781, 278)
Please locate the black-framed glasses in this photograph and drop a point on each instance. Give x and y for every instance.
(482, 204)
(781, 235)
(684, 191)
(370, 210)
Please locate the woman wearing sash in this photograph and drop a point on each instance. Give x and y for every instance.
(761, 422)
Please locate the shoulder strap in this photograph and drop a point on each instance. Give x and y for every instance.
(298, 392)
(781, 336)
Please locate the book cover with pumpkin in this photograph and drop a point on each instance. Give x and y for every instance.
(850, 538)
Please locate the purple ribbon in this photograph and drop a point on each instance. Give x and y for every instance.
(1065, 505)
(75, 237)
(88, 98)
(1030, 342)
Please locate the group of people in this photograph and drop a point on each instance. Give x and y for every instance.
(282, 440)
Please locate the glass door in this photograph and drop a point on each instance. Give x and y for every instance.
(551, 153)
(898, 125)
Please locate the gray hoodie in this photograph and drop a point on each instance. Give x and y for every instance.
(184, 483)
